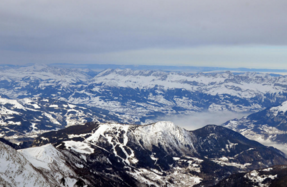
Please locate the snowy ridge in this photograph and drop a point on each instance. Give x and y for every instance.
(213, 83)
(170, 136)
(53, 164)
(46, 153)
(15, 170)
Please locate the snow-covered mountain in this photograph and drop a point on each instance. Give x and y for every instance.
(27, 118)
(268, 126)
(58, 102)
(157, 154)
(141, 96)
(54, 165)
(43, 166)
(17, 171)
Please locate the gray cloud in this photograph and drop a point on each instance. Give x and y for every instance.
(95, 27)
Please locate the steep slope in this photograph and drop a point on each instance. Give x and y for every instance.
(225, 146)
(15, 170)
(53, 165)
(160, 154)
(268, 126)
(141, 96)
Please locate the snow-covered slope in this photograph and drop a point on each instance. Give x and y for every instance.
(53, 164)
(268, 126)
(26, 118)
(160, 154)
(173, 139)
(17, 171)
(141, 96)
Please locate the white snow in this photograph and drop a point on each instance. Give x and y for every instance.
(17, 171)
(267, 169)
(54, 106)
(255, 177)
(53, 120)
(15, 103)
(47, 158)
(80, 147)
(170, 136)
(227, 161)
(105, 130)
(281, 108)
(14, 123)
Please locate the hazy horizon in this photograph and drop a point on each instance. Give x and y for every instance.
(233, 34)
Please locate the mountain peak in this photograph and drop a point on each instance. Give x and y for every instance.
(45, 153)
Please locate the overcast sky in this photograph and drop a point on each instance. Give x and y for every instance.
(222, 33)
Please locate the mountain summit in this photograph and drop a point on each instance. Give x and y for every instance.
(158, 154)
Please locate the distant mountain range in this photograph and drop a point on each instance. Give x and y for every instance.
(190, 69)
(141, 96)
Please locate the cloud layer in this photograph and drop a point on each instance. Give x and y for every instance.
(52, 30)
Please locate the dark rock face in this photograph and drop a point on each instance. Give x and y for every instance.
(158, 154)
(223, 142)
(15, 146)
(275, 176)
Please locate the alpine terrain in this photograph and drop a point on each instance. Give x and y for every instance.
(24, 119)
(82, 128)
(268, 126)
(140, 96)
(158, 154)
